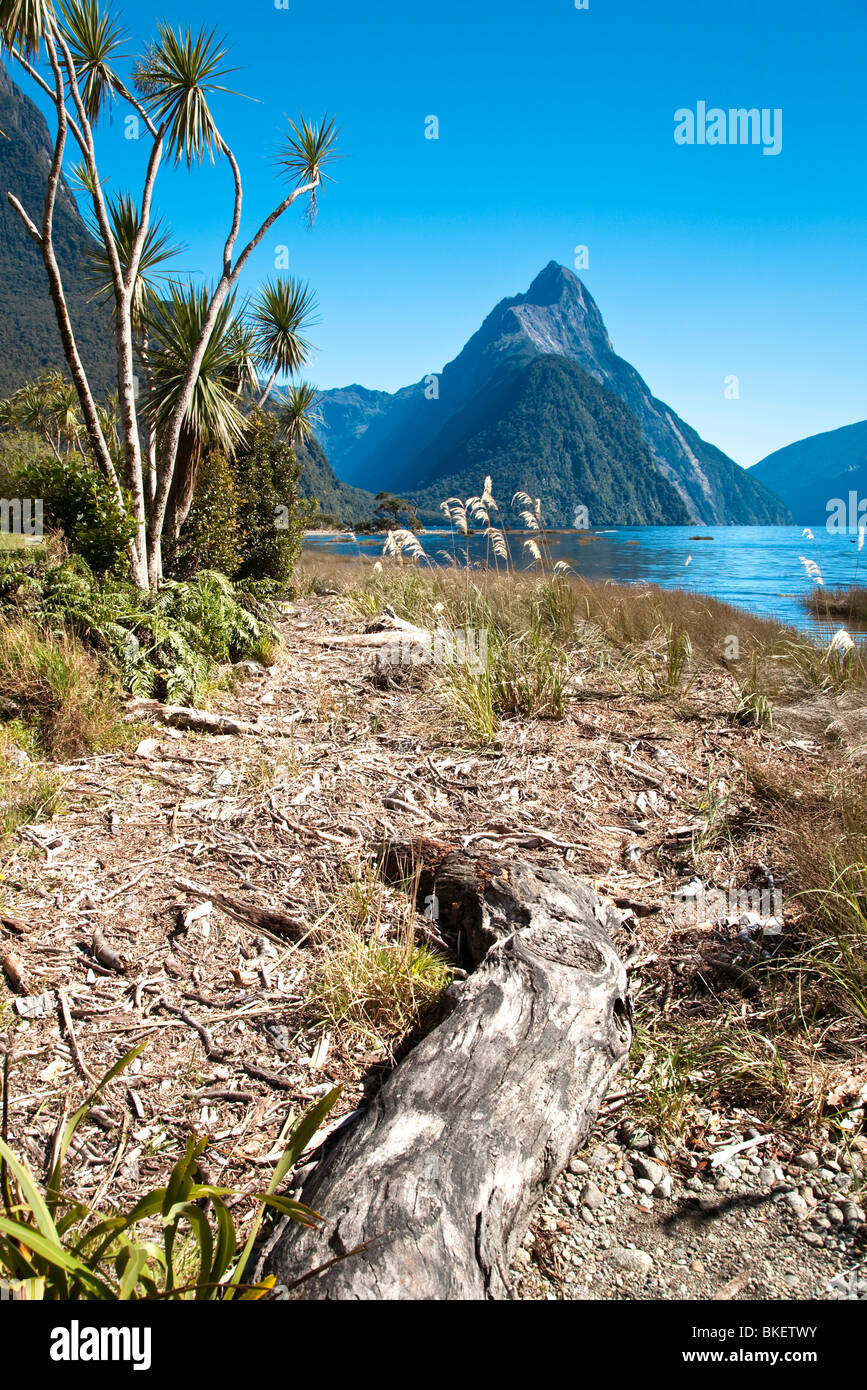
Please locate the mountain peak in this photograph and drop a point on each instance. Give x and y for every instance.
(550, 285)
(559, 314)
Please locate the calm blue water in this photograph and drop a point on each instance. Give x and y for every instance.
(754, 567)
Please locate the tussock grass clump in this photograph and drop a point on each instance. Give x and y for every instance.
(826, 837)
(28, 793)
(376, 989)
(847, 605)
(681, 1068)
(50, 682)
(372, 979)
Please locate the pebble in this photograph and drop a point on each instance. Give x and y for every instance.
(767, 1176)
(663, 1188)
(633, 1261)
(577, 1165)
(808, 1159)
(797, 1204)
(644, 1185)
(649, 1169)
(592, 1197)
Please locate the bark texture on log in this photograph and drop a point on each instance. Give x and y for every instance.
(443, 1170)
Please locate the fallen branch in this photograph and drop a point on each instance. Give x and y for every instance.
(267, 918)
(199, 721)
(211, 1049)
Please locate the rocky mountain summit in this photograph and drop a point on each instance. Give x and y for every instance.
(418, 439)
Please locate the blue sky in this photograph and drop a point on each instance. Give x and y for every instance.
(556, 130)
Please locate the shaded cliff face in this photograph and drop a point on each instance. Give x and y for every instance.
(29, 340)
(391, 441)
(550, 430)
(346, 504)
(811, 473)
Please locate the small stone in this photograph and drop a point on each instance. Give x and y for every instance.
(808, 1159)
(795, 1201)
(624, 1189)
(767, 1176)
(592, 1197)
(648, 1168)
(852, 1213)
(587, 1217)
(663, 1188)
(826, 1175)
(697, 1267)
(843, 1182)
(813, 1238)
(695, 1183)
(645, 1185)
(632, 1261)
(835, 1215)
(577, 1165)
(723, 1183)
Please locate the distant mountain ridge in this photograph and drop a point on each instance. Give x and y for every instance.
(812, 472)
(550, 430)
(400, 441)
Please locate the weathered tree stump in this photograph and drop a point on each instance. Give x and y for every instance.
(443, 1170)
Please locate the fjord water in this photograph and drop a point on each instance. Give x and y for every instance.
(754, 567)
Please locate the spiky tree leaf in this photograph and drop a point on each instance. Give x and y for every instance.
(176, 77)
(93, 39)
(23, 23)
(279, 312)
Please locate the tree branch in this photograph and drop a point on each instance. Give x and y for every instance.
(32, 229)
(172, 434)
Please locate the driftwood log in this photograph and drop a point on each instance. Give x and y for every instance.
(439, 1176)
(200, 721)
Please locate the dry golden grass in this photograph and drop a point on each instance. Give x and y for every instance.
(843, 605)
(51, 683)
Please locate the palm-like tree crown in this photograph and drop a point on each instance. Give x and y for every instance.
(175, 324)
